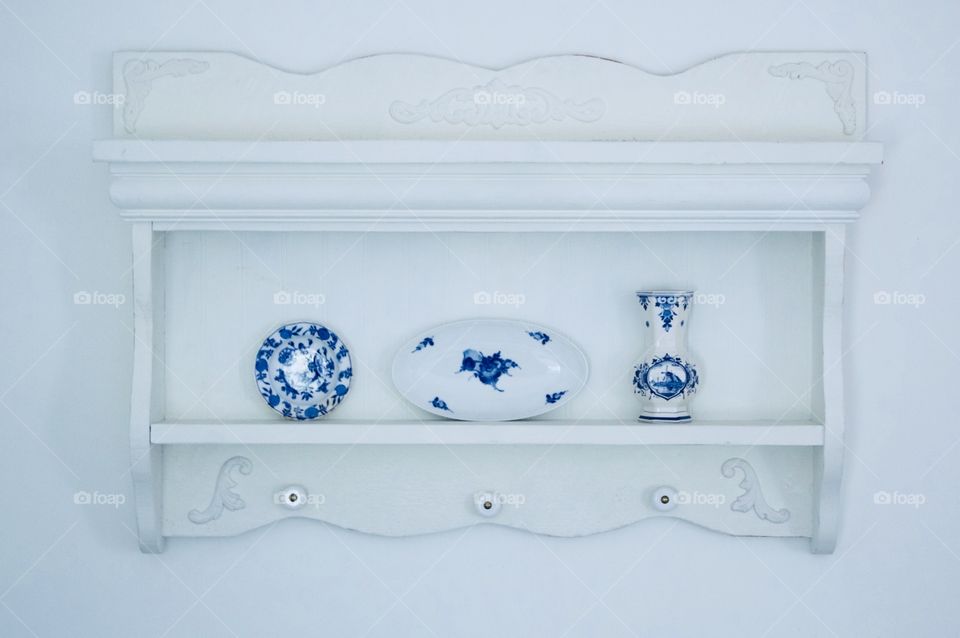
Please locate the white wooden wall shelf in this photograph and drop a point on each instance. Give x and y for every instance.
(568, 181)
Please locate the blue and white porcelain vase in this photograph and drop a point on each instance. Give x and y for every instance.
(665, 378)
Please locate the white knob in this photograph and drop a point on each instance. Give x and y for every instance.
(664, 499)
(487, 503)
(292, 497)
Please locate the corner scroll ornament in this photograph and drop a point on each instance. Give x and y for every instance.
(837, 77)
(138, 76)
(223, 496)
(497, 104)
(752, 497)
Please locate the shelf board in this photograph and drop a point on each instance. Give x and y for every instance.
(453, 152)
(443, 432)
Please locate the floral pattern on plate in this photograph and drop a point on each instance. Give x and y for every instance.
(303, 370)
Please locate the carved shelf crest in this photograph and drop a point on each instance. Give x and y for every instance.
(752, 497)
(497, 104)
(223, 495)
(138, 75)
(837, 77)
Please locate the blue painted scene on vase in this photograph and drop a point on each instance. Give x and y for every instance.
(666, 377)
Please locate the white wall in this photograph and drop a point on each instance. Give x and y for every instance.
(75, 570)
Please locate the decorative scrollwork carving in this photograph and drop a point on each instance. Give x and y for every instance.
(752, 497)
(138, 75)
(223, 497)
(497, 104)
(837, 77)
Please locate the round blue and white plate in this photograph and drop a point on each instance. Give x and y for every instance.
(303, 370)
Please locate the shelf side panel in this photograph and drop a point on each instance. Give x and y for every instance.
(828, 460)
(147, 394)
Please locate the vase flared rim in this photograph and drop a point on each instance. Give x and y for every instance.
(666, 293)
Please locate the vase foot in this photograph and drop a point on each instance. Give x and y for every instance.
(675, 418)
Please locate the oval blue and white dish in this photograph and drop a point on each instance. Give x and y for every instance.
(303, 370)
(489, 370)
